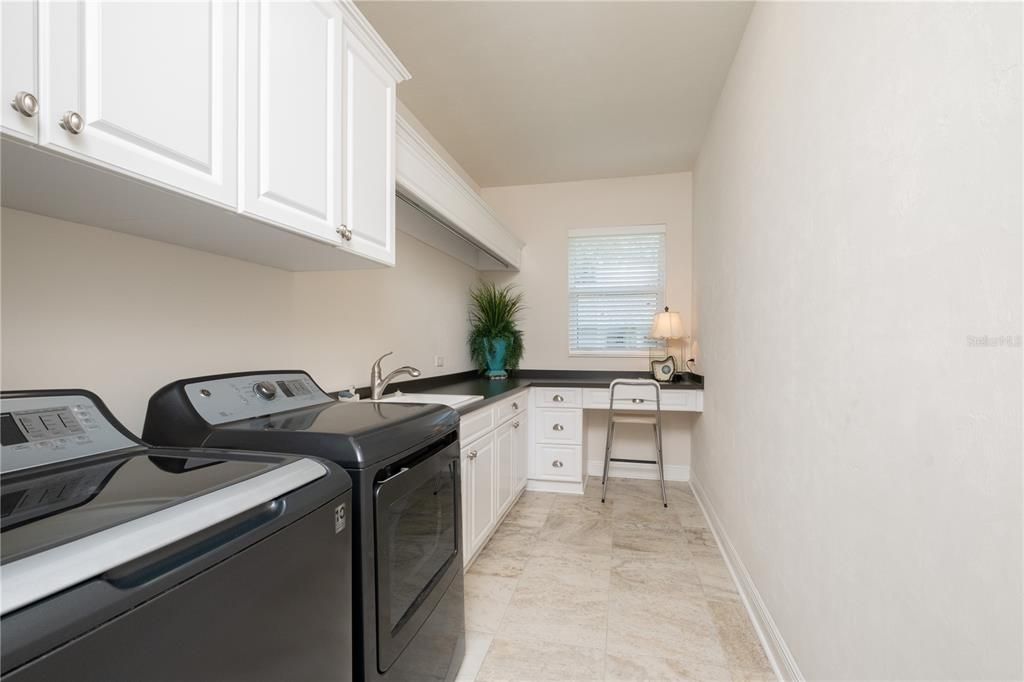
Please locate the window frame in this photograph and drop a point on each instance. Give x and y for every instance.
(615, 231)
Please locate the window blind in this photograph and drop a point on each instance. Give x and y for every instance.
(616, 285)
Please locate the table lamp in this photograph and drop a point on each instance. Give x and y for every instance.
(666, 326)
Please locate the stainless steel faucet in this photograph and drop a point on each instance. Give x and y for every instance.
(377, 385)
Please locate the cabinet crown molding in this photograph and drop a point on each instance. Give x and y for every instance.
(359, 24)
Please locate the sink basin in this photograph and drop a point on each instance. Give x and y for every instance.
(430, 398)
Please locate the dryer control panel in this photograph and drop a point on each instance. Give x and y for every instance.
(229, 399)
(38, 430)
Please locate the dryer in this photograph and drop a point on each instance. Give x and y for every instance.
(123, 561)
(404, 464)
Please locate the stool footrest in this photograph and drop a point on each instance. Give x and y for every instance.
(634, 461)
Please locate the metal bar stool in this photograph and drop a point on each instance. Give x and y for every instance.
(633, 417)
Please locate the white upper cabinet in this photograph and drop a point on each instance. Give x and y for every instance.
(369, 153)
(19, 80)
(145, 87)
(291, 115)
(262, 130)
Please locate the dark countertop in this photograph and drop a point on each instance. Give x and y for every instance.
(472, 383)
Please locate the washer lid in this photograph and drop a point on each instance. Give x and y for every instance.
(69, 524)
(46, 507)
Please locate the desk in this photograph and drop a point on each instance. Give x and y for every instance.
(557, 458)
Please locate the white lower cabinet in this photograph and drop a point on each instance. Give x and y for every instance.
(520, 451)
(505, 480)
(494, 469)
(478, 510)
(556, 462)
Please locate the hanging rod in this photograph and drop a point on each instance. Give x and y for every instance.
(449, 227)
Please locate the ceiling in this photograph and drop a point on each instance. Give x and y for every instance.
(532, 92)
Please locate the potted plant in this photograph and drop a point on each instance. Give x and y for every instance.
(495, 342)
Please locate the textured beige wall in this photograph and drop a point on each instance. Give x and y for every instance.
(542, 215)
(121, 315)
(857, 220)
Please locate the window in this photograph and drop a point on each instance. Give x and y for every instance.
(616, 285)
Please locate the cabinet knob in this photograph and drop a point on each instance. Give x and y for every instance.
(557, 398)
(72, 122)
(515, 424)
(26, 104)
(557, 464)
(344, 233)
(515, 406)
(473, 454)
(558, 427)
(638, 401)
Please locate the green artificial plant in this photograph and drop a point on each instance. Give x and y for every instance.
(493, 316)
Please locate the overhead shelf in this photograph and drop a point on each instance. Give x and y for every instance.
(439, 208)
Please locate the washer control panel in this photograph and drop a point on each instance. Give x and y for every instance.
(42, 430)
(219, 401)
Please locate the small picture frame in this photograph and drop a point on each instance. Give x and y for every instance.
(664, 370)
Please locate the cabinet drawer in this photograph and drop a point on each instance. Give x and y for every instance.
(560, 426)
(475, 424)
(642, 398)
(559, 397)
(511, 407)
(559, 462)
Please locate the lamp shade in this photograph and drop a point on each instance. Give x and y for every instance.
(667, 325)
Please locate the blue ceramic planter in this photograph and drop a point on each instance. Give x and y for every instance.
(495, 350)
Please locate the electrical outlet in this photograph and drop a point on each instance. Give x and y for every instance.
(438, 361)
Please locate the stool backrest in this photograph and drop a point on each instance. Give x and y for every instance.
(650, 383)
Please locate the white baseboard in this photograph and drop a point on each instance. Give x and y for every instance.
(648, 472)
(779, 655)
(542, 486)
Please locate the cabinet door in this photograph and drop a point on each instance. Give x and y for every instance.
(520, 451)
(369, 153)
(291, 77)
(505, 464)
(19, 30)
(482, 471)
(154, 85)
(466, 489)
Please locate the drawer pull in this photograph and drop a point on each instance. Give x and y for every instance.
(558, 427)
(515, 406)
(638, 401)
(515, 424)
(473, 454)
(557, 398)
(557, 464)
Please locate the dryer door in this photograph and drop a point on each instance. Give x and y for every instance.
(417, 528)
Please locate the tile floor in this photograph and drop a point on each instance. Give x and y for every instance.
(573, 589)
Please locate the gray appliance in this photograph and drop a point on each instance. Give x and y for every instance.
(404, 463)
(120, 561)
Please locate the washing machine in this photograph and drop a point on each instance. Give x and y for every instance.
(409, 620)
(120, 561)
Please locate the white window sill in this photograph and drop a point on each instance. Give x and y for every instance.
(612, 354)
